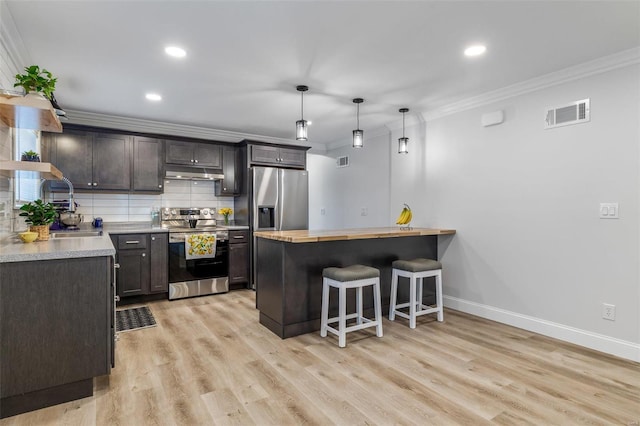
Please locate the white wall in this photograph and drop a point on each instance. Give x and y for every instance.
(323, 210)
(531, 249)
(344, 192)
(409, 176)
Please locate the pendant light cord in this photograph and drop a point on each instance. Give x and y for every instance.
(403, 125)
(302, 106)
(358, 116)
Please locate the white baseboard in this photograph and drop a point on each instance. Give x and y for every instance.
(599, 342)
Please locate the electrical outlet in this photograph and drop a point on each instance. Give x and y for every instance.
(323, 212)
(364, 211)
(609, 312)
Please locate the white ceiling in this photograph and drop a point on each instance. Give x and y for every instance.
(244, 58)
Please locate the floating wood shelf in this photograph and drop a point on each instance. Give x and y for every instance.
(28, 112)
(46, 170)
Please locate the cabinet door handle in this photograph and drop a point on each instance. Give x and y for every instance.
(116, 265)
(144, 254)
(159, 186)
(132, 242)
(117, 298)
(95, 184)
(153, 238)
(238, 237)
(89, 183)
(195, 161)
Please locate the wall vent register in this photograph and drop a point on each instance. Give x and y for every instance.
(342, 161)
(565, 115)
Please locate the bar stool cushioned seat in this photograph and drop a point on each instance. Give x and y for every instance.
(357, 277)
(417, 265)
(350, 273)
(416, 270)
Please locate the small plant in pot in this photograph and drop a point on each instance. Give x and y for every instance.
(30, 156)
(39, 215)
(36, 81)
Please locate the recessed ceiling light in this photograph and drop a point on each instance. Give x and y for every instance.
(475, 50)
(175, 51)
(153, 97)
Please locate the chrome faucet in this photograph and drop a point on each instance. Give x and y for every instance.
(72, 204)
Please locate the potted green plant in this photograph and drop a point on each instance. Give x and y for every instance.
(30, 156)
(39, 215)
(36, 80)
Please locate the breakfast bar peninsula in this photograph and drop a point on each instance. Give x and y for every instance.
(288, 268)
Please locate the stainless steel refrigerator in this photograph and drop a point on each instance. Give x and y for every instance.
(279, 202)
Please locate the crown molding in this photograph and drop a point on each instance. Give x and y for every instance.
(161, 128)
(11, 40)
(597, 66)
(413, 119)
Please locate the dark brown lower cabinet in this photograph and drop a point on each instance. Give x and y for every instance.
(143, 260)
(238, 257)
(159, 263)
(55, 331)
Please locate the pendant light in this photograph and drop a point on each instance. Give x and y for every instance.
(403, 142)
(301, 125)
(358, 135)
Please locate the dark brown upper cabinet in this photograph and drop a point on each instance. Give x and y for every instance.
(278, 156)
(194, 154)
(232, 170)
(92, 161)
(148, 164)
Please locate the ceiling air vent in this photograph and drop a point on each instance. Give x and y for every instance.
(343, 161)
(565, 115)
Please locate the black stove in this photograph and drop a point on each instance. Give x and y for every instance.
(201, 276)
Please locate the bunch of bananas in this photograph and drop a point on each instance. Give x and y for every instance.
(405, 216)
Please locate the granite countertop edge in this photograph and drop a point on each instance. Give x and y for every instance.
(12, 249)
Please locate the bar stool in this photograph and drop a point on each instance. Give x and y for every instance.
(354, 276)
(416, 269)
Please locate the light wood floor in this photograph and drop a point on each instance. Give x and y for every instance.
(209, 361)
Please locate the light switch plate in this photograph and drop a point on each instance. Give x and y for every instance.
(609, 211)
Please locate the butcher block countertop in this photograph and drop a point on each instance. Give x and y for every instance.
(314, 236)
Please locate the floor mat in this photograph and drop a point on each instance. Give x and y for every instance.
(134, 319)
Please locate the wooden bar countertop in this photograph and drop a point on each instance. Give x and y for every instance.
(314, 236)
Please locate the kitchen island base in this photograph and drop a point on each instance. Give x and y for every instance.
(56, 330)
(289, 276)
(36, 400)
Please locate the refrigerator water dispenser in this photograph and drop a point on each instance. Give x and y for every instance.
(266, 217)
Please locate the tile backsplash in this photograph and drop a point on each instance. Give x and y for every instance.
(137, 207)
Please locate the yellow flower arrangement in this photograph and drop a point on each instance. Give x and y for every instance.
(226, 211)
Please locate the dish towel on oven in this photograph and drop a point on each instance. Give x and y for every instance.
(199, 246)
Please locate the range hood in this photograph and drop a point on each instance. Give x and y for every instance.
(191, 173)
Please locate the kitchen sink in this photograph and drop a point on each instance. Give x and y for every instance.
(76, 234)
